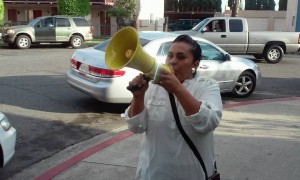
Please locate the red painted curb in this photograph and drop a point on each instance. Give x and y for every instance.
(54, 171)
(77, 158)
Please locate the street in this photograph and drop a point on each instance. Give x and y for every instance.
(50, 116)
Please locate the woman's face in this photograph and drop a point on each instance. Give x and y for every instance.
(181, 60)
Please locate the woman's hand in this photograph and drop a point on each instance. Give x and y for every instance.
(169, 81)
(142, 85)
(137, 103)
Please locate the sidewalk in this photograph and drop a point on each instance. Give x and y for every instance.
(255, 140)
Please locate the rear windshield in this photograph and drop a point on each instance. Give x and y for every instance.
(80, 22)
(102, 46)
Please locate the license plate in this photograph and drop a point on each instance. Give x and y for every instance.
(84, 68)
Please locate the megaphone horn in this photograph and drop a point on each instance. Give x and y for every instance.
(124, 50)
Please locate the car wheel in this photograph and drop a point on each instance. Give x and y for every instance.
(273, 54)
(23, 42)
(258, 56)
(245, 85)
(76, 41)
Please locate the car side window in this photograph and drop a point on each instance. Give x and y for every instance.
(79, 22)
(236, 25)
(47, 22)
(209, 52)
(164, 49)
(63, 22)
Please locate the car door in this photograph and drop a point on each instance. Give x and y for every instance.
(63, 29)
(214, 65)
(217, 37)
(237, 37)
(45, 30)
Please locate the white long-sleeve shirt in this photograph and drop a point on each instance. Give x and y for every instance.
(164, 153)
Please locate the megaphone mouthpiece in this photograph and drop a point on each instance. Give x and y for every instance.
(129, 53)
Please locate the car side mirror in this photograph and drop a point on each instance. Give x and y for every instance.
(227, 57)
(204, 30)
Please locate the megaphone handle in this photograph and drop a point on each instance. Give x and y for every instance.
(133, 88)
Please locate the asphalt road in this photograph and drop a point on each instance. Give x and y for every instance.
(49, 115)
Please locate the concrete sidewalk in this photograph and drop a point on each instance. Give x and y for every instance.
(255, 140)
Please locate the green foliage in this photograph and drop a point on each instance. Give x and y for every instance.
(218, 6)
(1, 12)
(283, 5)
(193, 5)
(73, 7)
(123, 9)
(259, 5)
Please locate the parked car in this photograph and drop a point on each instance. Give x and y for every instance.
(68, 30)
(89, 73)
(7, 140)
(183, 24)
(234, 37)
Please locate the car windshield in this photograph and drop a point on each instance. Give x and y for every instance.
(33, 22)
(198, 26)
(102, 46)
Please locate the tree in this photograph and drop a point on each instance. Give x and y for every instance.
(283, 5)
(1, 12)
(123, 10)
(73, 7)
(250, 5)
(218, 6)
(259, 5)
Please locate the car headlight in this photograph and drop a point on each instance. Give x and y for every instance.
(5, 124)
(10, 31)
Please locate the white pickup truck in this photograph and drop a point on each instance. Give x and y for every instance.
(231, 33)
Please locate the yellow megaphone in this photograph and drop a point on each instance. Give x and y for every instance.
(124, 49)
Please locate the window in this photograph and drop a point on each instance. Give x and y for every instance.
(209, 52)
(62, 22)
(48, 22)
(236, 25)
(102, 46)
(164, 49)
(80, 22)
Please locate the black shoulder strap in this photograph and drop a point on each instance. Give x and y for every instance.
(185, 136)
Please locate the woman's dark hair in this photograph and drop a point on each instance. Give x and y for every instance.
(196, 49)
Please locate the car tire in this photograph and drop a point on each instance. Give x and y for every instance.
(273, 54)
(245, 85)
(23, 42)
(258, 56)
(76, 42)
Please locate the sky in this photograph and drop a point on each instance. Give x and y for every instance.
(224, 2)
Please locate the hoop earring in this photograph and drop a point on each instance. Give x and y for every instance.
(193, 70)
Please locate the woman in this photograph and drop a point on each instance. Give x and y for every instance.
(164, 153)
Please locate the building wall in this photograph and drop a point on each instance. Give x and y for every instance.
(150, 15)
(292, 15)
(264, 20)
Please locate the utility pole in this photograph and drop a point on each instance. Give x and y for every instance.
(234, 8)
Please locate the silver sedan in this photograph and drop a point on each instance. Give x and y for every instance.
(7, 140)
(88, 72)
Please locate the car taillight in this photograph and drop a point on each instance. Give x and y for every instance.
(75, 64)
(299, 39)
(4, 123)
(105, 72)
